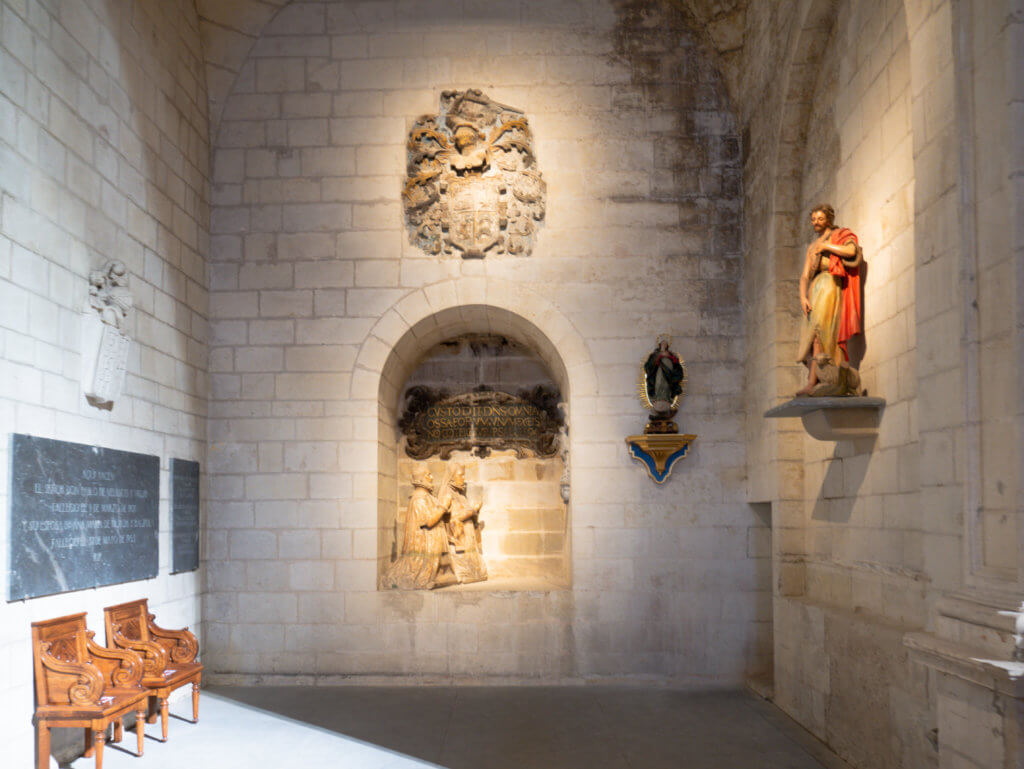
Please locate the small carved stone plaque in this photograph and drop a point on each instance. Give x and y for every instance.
(81, 516)
(184, 515)
(111, 363)
(105, 334)
(473, 186)
(435, 423)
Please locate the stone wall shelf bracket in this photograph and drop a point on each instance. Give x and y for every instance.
(834, 419)
(658, 453)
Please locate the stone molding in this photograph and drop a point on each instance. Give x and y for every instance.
(388, 335)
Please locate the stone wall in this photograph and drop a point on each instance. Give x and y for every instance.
(906, 115)
(862, 505)
(990, 142)
(849, 526)
(316, 290)
(877, 111)
(103, 154)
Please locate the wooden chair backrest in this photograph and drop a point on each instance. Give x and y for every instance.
(130, 619)
(65, 639)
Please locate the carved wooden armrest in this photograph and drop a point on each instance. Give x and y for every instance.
(89, 687)
(154, 657)
(184, 646)
(129, 669)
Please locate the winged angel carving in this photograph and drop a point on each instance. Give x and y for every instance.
(473, 184)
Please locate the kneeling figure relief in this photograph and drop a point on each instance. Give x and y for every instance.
(441, 543)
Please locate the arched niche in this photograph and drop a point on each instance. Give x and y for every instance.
(495, 479)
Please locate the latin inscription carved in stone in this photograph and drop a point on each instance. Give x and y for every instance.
(81, 516)
(434, 423)
(473, 186)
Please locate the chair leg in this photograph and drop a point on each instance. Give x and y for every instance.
(140, 723)
(89, 747)
(151, 717)
(118, 730)
(195, 702)
(163, 717)
(100, 737)
(42, 746)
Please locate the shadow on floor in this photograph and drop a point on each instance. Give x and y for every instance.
(544, 727)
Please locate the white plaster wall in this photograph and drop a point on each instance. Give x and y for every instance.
(103, 154)
(314, 283)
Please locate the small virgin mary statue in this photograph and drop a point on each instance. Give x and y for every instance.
(663, 380)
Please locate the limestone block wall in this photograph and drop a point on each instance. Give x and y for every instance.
(863, 517)
(782, 43)
(863, 523)
(882, 102)
(315, 288)
(103, 154)
(991, 147)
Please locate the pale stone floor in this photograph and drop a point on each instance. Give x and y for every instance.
(475, 728)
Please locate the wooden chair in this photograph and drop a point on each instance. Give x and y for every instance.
(168, 656)
(81, 684)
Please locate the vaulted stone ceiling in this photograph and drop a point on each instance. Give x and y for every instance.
(230, 27)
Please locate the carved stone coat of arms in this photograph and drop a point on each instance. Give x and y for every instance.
(473, 186)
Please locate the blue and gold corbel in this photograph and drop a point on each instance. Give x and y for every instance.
(659, 452)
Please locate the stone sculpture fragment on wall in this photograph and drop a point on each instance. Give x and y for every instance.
(464, 526)
(105, 334)
(472, 184)
(441, 539)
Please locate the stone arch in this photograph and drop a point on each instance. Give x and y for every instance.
(390, 341)
(440, 311)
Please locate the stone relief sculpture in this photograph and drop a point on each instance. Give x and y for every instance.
(472, 182)
(441, 542)
(463, 526)
(109, 294)
(105, 334)
(830, 299)
(425, 540)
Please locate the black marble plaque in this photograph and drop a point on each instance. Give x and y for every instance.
(184, 515)
(81, 516)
